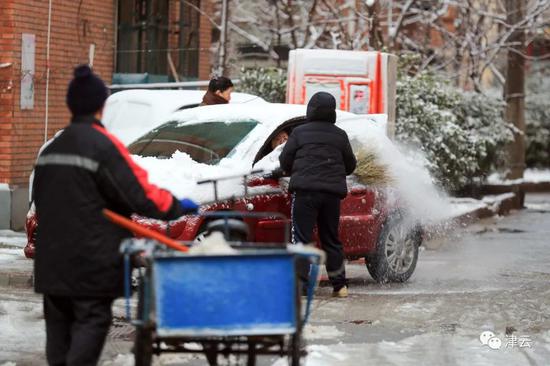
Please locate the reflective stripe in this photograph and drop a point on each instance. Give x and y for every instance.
(68, 159)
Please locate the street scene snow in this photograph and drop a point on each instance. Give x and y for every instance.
(274, 183)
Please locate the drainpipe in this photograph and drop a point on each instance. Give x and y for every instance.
(47, 71)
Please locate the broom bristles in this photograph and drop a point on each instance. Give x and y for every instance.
(369, 170)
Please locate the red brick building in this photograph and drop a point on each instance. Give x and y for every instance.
(148, 40)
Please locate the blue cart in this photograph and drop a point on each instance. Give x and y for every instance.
(244, 304)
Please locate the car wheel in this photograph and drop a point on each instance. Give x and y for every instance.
(237, 230)
(396, 251)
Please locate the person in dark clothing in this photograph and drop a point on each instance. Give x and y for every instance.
(318, 156)
(219, 91)
(77, 266)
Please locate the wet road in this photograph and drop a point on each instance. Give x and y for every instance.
(492, 276)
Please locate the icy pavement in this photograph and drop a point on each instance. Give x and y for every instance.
(12, 259)
(491, 276)
(9, 238)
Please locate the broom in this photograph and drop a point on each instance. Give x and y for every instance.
(369, 170)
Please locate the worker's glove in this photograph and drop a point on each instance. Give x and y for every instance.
(189, 206)
(275, 174)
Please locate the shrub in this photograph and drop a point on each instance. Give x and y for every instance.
(537, 121)
(461, 133)
(268, 83)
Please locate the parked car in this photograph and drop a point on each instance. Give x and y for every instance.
(371, 224)
(129, 114)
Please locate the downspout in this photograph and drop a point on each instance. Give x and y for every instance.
(47, 71)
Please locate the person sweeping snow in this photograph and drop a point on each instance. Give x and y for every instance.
(78, 267)
(318, 156)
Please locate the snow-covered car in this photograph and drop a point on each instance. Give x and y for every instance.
(215, 141)
(131, 113)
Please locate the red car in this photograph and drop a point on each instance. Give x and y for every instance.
(371, 224)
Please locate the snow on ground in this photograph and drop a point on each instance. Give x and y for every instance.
(20, 324)
(529, 176)
(461, 206)
(432, 348)
(9, 238)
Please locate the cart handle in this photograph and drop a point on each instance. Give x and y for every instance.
(143, 231)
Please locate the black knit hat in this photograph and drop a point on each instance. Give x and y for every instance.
(321, 107)
(87, 92)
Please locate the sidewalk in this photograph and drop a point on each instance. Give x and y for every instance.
(15, 269)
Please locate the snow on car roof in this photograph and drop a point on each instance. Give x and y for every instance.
(265, 113)
(177, 98)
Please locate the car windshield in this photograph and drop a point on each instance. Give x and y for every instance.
(206, 142)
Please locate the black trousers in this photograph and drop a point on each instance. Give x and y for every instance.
(310, 208)
(76, 328)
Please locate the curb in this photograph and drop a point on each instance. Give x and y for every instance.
(494, 206)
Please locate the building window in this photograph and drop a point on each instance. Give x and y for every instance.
(158, 37)
(189, 28)
(142, 41)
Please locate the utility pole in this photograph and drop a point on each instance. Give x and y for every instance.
(223, 39)
(514, 89)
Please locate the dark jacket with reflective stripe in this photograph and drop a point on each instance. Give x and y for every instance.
(82, 171)
(318, 155)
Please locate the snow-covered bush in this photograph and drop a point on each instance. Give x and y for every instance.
(268, 83)
(460, 133)
(537, 121)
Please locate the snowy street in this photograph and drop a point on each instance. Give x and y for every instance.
(492, 276)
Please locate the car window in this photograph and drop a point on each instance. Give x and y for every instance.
(205, 142)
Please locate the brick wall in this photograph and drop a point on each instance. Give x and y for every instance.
(205, 41)
(7, 41)
(75, 25)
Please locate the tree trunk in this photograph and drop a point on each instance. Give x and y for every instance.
(514, 90)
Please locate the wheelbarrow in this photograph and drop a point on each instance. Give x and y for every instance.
(238, 305)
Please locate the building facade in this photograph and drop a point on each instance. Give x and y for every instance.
(42, 40)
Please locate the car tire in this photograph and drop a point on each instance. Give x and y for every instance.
(396, 251)
(234, 235)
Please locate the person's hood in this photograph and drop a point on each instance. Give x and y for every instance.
(321, 107)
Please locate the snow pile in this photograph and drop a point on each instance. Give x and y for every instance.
(529, 176)
(213, 244)
(180, 175)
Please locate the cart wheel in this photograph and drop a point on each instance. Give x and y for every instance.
(143, 347)
(211, 353)
(143, 344)
(251, 360)
(295, 349)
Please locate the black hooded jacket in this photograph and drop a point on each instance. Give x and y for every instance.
(318, 155)
(84, 170)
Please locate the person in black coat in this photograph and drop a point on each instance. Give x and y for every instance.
(318, 156)
(78, 267)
